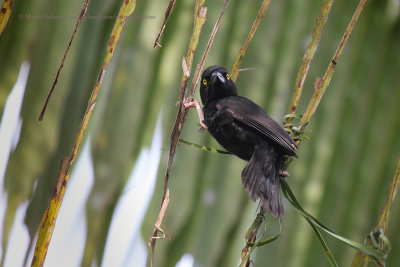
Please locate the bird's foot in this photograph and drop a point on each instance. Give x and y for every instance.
(195, 104)
(283, 173)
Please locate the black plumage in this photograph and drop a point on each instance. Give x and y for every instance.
(244, 129)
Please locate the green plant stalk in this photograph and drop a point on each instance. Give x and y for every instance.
(254, 245)
(200, 14)
(182, 112)
(78, 22)
(48, 222)
(362, 259)
(5, 13)
(242, 51)
(51, 213)
(322, 84)
(308, 56)
(199, 66)
(251, 236)
(166, 16)
(383, 220)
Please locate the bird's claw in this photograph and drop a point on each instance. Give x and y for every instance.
(283, 173)
(188, 105)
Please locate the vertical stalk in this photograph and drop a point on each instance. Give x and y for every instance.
(51, 213)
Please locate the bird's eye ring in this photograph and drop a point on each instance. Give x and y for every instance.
(204, 81)
(228, 76)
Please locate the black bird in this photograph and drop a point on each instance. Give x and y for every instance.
(244, 129)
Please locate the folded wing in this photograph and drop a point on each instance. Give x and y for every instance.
(254, 117)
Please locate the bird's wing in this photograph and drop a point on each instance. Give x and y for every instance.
(253, 116)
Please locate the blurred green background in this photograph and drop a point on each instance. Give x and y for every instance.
(342, 173)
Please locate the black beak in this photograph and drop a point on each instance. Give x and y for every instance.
(217, 74)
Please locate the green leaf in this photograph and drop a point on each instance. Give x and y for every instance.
(315, 223)
(206, 148)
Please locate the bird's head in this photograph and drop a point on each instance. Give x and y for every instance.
(216, 84)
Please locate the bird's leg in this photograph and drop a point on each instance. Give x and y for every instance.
(195, 104)
(283, 173)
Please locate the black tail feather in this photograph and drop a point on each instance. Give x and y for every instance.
(260, 178)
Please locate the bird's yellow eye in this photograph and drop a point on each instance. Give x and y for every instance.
(227, 76)
(204, 81)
